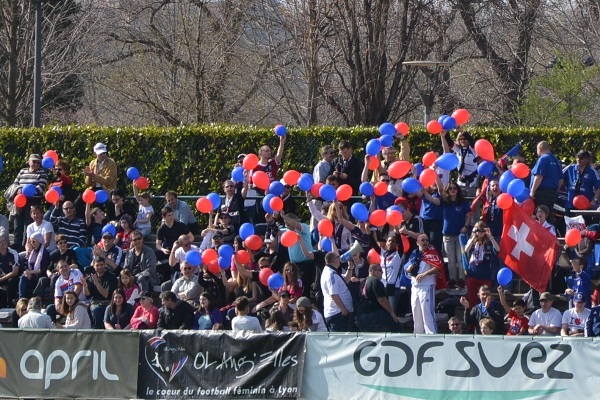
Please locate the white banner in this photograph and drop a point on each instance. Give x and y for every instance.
(450, 367)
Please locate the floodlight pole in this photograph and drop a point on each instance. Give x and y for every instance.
(428, 95)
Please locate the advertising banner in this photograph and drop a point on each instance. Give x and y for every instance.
(450, 367)
(72, 364)
(207, 364)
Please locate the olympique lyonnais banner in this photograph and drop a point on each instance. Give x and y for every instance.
(68, 364)
(186, 364)
(450, 367)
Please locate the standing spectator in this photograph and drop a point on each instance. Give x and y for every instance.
(547, 320)
(270, 166)
(467, 159)
(582, 179)
(433, 216)
(579, 282)
(42, 226)
(34, 175)
(143, 222)
(182, 212)
(102, 171)
(482, 252)
(4, 227)
(337, 306)
(9, 273)
(77, 313)
(146, 314)
(233, 202)
(118, 314)
(547, 176)
(324, 168)
(38, 261)
(141, 261)
(574, 320)
(375, 313)
(306, 265)
(34, 319)
(174, 313)
(347, 168)
(242, 321)
(70, 226)
(487, 308)
(98, 287)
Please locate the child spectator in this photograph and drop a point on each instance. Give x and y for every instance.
(143, 222)
(123, 239)
(487, 326)
(518, 322)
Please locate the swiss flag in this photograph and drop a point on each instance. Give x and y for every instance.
(527, 248)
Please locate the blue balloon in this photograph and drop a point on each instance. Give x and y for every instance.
(29, 190)
(386, 140)
(449, 123)
(366, 189)
(394, 208)
(447, 161)
(373, 147)
(133, 173)
(485, 168)
(327, 192)
(246, 230)
(237, 174)
(101, 196)
(305, 182)
(387, 129)
(360, 212)
(411, 185)
(109, 228)
(504, 276)
(280, 130)
(266, 203)
(326, 244)
(515, 187)
(47, 162)
(224, 262)
(506, 178)
(215, 199)
(275, 281)
(523, 196)
(58, 189)
(276, 188)
(442, 118)
(193, 257)
(226, 251)
(419, 168)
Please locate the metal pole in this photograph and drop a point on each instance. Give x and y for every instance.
(37, 70)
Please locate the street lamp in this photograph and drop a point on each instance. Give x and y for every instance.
(428, 95)
(37, 65)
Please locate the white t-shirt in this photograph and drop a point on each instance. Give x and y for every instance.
(575, 321)
(246, 323)
(43, 228)
(551, 318)
(62, 284)
(429, 280)
(332, 283)
(143, 213)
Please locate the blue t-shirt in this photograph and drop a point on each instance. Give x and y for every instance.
(430, 211)
(295, 251)
(487, 263)
(454, 217)
(385, 201)
(586, 183)
(550, 168)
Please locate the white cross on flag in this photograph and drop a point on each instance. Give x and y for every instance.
(527, 248)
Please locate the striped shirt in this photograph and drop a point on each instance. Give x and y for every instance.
(74, 230)
(38, 178)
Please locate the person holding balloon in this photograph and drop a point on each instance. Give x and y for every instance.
(482, 252)
(581, 179)
(330, 225)
(233, 201)
(432, 215)
(467, 158)
(63, 184)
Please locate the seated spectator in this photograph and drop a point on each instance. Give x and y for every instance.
(128, 286)
(487, 326)
(123, 239)
(574, 320)
(455, 325)
(276, 322)
(62, 252)
(547, 320)
(579, 282)
(242, 321)
(146, 314)
(20, 310)
(72, 228)
(37, 262)
(174, 313)
(9, 273)
(143, 221)
(182, 212)
(119, 313)
(64, 183)
(42, 226)
(186, 287)
(112, 254)
(284, 306)
(518, 323)
(95, 220)
(68, 280)
(167, 234)
(487, 308)
(208, 316)
(141, 261)
(292, 282)
(375, 313)
(77, 313)
(98, 288)
(120, 207)
(307, 317)
(34, 319)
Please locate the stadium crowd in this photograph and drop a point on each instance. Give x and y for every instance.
(386, 241)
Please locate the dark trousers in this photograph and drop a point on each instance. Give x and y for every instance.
(377, 321)
(341, 323)
(546, 197)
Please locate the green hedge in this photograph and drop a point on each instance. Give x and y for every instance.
(192, 160)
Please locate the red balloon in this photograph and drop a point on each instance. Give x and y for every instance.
(204, 205)
(276, 204)
(89, 196)
(402, 127)
(344, 192)
(434, 127)
(213, 267)
(484, 149)
(291, 177)
(20, 200)
(572, 237)
(373, 257)
(427, 177)
(581, 202)
(242, 256)
(461, 116)
(261, 180)
(52, 154)
(399, 169)
(429, 158)
(373, 163)
(325, 227)
(380, 188)
(289, 238)
(263, 276)
(528, 206)
(315, 189)
(52, 196)
(250, 161)
(520, 170)
(253, 242)
(141, 183)
(505, 201)
(377, 218)
(209, 255)
(394, 217)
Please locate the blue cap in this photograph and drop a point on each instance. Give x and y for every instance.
(578, 298)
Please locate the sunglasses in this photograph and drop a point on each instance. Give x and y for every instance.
(187, 268)
(68, 208)
(384, 180)
(285, 296)
(137, 239)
